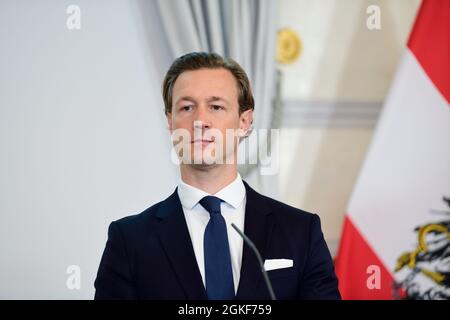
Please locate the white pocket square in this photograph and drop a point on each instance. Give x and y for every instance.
(273, 264)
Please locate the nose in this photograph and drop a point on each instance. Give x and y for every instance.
(202, 120)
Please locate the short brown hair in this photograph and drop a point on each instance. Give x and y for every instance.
(206, 60)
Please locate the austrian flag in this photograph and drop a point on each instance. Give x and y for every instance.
(395, 240)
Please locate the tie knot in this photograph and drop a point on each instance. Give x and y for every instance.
(211, 204)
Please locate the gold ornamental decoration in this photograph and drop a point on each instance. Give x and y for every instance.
(289, 46)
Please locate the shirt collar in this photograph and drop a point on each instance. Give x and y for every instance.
(233, 194)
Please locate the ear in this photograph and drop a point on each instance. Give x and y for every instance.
(246, 120)
(169, 121)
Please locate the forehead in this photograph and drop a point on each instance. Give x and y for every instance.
(206, 82)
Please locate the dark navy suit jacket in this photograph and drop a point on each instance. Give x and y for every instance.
(150, 255)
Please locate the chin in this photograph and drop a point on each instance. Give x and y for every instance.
(207, 161)
(203, 166)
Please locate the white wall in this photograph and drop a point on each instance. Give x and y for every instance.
(82, 136)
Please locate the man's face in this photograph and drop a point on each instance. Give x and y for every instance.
(205, 105)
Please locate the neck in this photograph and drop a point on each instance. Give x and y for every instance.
(210, 179)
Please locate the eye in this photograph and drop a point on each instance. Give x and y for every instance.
(216, 107)
(186, 108)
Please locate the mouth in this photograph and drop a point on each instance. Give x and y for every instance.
(202, 141)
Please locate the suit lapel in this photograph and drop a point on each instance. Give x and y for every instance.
(176, 241)
(258, 227)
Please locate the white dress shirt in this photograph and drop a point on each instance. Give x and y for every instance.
(233, 211)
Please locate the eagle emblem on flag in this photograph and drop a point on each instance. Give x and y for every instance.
(426, 269)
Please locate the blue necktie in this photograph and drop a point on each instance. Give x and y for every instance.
(218, 272)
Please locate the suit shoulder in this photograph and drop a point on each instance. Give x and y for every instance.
(288, 212)
(282, 210)
(144, 218)
(138, 218)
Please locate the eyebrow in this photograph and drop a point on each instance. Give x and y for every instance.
(215, 98)
(209, 99)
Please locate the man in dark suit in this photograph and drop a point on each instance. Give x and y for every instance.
(184, 247)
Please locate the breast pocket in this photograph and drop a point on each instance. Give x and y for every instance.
(284, 282)
(283, 272)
